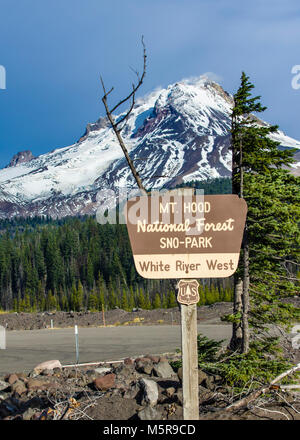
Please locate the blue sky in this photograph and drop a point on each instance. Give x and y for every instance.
(55, 50)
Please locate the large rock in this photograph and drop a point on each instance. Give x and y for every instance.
(163, 369)
(18, 387)
(144, 367)
(3, 385)
(102, 370)
(202, 377)
(150, 392)
(132, 391)
(48, 365)
(12, 378)
(148, 413)
(29, 413)
(142, 359)
(179, 396)
(105, 382)
(204, 394)
(170, 391)
(39, 384)
(209, 383)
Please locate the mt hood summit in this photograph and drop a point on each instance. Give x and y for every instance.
(174, 135)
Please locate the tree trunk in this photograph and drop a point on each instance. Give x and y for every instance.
(127, 157)
(245, 296)
(237, 334)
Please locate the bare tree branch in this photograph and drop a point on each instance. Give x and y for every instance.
(114, 124)
(140, 82)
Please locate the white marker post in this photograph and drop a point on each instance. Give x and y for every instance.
(76, 344)
(2, 338)
(51, 323)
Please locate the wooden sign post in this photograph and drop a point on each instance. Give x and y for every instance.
(186, 236)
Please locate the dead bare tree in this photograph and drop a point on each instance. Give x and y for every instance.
(117, 126)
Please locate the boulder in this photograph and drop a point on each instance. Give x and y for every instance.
(209, 383)
(179, 373)
(202, 376)
(128, 361)
(132, 391)
(163, 369)
(39, 384)
(204, 394)
(150, 392)
(48, 365)
(102, 370)
(29, 413)
(170, 391)
(144, 365)
(22, 376)
(148, 413)
(143, 359)
(105, 382)
(12, 378)
(154, 359)
(179, 397)
(3, 385)
(18, 387)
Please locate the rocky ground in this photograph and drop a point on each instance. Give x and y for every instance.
(33, 321)
(147, 388)
(136, 389)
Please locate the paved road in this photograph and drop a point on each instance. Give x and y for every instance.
(27, 348)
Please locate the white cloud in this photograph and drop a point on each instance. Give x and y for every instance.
(194, 80)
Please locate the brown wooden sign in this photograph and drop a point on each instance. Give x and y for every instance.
(180, 236)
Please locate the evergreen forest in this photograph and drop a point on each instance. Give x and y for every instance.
(78, 264)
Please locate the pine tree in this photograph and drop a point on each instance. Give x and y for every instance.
(131, 303)
(157, 301)
(141, 300)
(147, 302)
(165, 301)
(93, 302)
(172, 302)
(80, 296)
(124, 302)
(271, 234)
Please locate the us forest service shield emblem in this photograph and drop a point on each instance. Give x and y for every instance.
(188, 292)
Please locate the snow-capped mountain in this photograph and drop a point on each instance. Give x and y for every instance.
(174, 135)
